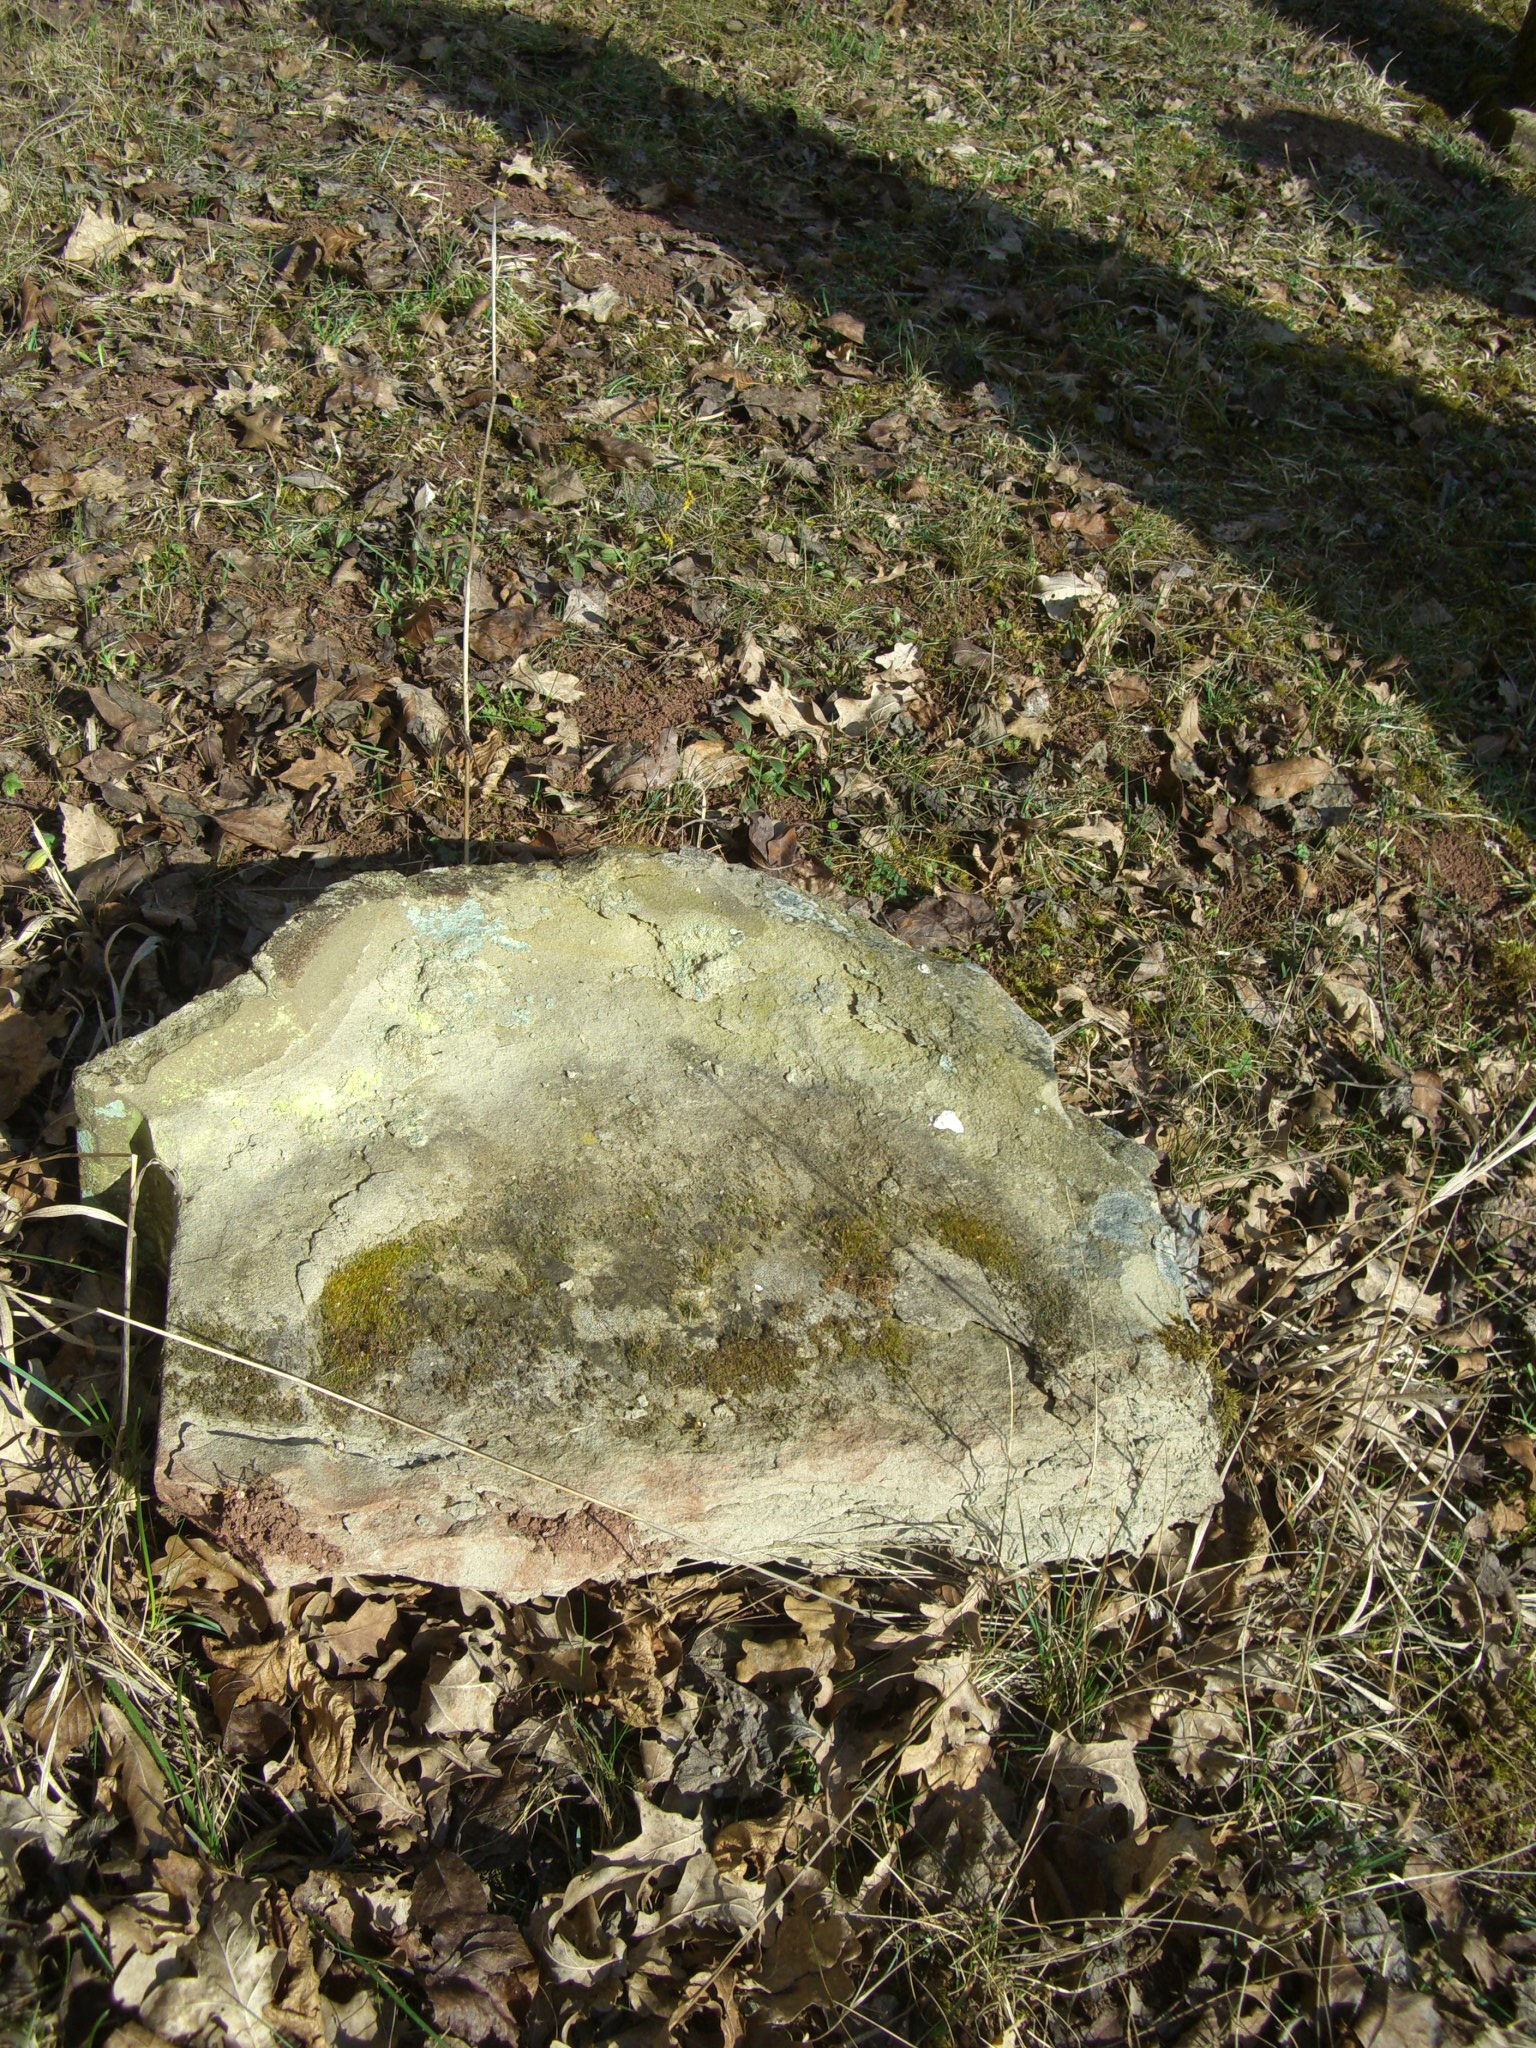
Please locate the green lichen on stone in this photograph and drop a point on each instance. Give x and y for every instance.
(365, 1324)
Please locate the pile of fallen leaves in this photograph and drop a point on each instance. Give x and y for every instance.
(712, 1807)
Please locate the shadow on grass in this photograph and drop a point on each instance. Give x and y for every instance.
(1400, 517)
(1447, 223)
(1431, 48)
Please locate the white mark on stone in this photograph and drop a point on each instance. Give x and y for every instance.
(946, 1120)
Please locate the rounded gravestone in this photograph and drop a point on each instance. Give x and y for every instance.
(648, 1210)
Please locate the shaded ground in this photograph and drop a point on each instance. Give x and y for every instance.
(1291, 445)
(1060, 482)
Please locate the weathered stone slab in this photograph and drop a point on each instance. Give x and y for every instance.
(739, 1228)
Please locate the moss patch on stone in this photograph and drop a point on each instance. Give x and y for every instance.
(883, 1342)
(365, 1325)
(1047, 1299)
(975, 1237)
(751, 1362)
(858, 1248)
(227, 1388)
(1187, 1341)
(661, 1356)
(739, 1223)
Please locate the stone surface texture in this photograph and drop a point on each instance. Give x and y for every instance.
(682, 1215)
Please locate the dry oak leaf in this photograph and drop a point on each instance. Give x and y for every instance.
(35, 308)
(1103, 1772)
(664, 1841)
(258, 431)
(950, 920)
(1136, 1869)
(1206, 1744)
(555, 685)
(504, 635)
(1099, 832)
(1354, 1006)
(953, 1746)
(786, 716)
(327, 1724)
(138, 1784)
(63, 1716)
(231, 1976)
(805, 1946)
(426, 722)
(455, 1698)
(1091, 522)
(363, 388)
(1062, 593)
(47, 585)
(710, 764)
(1186, 734)
(859, 716)
(311, 771)
(1523, 1450)
(1126, 692)
(97, 238)
(751, 659)
(87, 836)
(598, 307)
(630, 770)
(1280, 781)
(770, 844)
(618, 454)
(815, 1646)
(263, 825)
